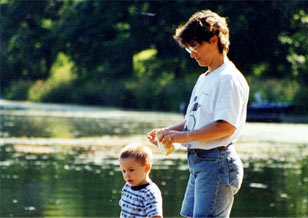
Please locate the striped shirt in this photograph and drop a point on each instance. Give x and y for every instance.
(141, 201)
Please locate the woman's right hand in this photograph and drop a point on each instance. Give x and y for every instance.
(151, 136)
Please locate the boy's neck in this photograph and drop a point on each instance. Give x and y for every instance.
(139, 187)
(145, 181)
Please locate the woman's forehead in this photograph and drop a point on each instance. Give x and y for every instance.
(193, 43)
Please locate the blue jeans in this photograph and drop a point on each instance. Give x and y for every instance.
(215, 177)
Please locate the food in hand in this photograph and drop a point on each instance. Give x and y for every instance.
(163, 147)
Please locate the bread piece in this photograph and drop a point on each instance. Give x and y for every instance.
(163, 147)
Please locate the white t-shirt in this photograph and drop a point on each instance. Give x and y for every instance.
(220, 95)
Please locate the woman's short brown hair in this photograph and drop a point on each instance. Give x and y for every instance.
(202, 26)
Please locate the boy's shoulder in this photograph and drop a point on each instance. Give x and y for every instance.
(126, 186)
(152, 185)
(152, 190)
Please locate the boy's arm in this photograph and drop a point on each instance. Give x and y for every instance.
(156, 217)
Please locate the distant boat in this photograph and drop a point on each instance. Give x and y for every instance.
(268, 112)
(265, 111)
(261, 111)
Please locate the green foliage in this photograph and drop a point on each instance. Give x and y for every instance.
(128, 46)
(56, 88)
(18, 90)
(39, 90)
(106, 93)
(27, 49)
(273, 90)
(301, 100)
(153, 86)
(160, 93)
(296, 39)
(62, 70)
(140, 61)
(260, 69)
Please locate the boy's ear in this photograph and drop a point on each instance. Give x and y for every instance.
(147, 167)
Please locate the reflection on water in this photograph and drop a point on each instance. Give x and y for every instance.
(65, 184)
(274, 188)
(39, 177)
(68, 127)
(61, 126)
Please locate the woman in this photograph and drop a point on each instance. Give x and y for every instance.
(214, 119)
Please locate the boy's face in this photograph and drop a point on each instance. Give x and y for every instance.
(133, 172)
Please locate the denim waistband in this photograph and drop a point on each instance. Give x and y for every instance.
(220, 148)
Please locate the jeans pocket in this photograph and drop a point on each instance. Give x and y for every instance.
(207, 155)
(235, 173)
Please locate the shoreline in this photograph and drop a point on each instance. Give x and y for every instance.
(258, 140)
(58, 110)
(108, 147)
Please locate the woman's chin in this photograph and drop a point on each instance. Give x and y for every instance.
(202, 65)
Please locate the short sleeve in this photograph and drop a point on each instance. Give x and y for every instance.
(229, 101)
(153, 204)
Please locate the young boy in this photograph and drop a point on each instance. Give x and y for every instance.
(140, 196)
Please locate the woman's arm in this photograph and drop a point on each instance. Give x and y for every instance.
(216, 130)
(213, 131)
(177, 127)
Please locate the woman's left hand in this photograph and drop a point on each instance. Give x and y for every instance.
(169, 137)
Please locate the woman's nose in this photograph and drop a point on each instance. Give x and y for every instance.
(193, 54)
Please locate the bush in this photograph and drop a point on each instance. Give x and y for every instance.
(157, 94)
(38, 91)
(154, 85)
(18, 90)
(106, 93)
(273, 90)
(300, 101)
(59, 86)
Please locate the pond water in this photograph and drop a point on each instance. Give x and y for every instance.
(61, 161)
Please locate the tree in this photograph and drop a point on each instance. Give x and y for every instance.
(297, 56)
(26, 46)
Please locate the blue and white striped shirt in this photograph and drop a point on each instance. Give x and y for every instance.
(141, 201)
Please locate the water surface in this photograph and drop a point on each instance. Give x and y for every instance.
(61, 161)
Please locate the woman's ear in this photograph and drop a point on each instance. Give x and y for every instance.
(214, 39)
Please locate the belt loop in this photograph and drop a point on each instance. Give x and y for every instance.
(195, 152)
(222, 150)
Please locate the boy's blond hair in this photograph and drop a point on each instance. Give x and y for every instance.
(141, 153)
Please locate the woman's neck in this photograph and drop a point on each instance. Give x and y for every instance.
(220, 60)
